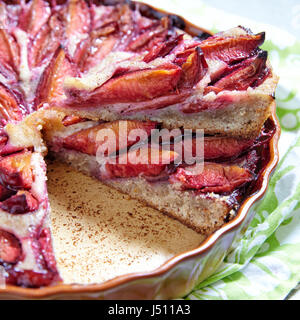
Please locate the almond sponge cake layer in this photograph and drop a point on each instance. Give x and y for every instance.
(204, 214)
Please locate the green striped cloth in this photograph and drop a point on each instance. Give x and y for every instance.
(265, 264)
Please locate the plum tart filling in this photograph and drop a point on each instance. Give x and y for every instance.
(228, 164)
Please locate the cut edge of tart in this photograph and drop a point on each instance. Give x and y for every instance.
(203, 201)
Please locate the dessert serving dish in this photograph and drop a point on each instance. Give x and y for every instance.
(103, 107)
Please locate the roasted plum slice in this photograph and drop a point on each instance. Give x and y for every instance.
(10, 248)
(34, 15)
(16, 171)
(100, 47)
(231, 48)
(211, 177)
(8, 76)
(51, 85)
(148, 38)
(10, 106)
(246, 74)
(105, 30)
(46, 41)
(162, 48)
(193, 69)
(225, 147)
(9, 50)
(78, 27)
(213, 147)
(143, 161)
(104, 38)
(90, 140)
(71, 119)
(138, 85)
(20, 203)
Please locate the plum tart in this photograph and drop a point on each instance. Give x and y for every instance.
(72, 72)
